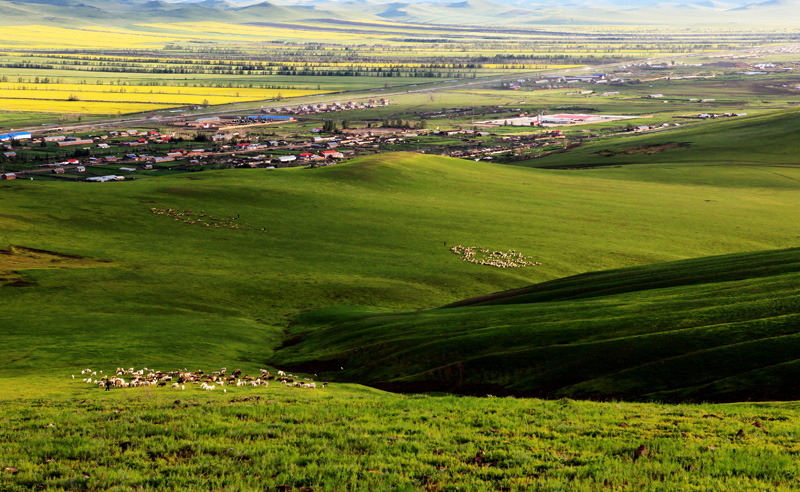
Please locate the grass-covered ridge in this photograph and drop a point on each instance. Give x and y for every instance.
(91, 277)
(754, 151)
(712, 329)
(374, 232)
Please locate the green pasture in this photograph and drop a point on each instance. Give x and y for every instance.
(648, 288)
(715, 152)
(708, 329)
(372, 232)
(351, 438)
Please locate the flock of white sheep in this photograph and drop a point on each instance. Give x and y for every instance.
(204, 219)
(499, 259)
(131, 378)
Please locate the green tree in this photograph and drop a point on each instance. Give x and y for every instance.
(329, 126)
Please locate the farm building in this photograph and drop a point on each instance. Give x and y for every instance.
(20, 136)
(69, 143)
(80, 169)
(55, 138)
(9, 154)
(268, 118)
(8, 176)
(59, 170)
(206, 121)
(103, 179)
(287, 158)
(332, 154)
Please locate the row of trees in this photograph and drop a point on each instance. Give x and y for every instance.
(331, 126)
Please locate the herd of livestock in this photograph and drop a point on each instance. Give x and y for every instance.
(204, 219)
(131, 378)
(499, 259)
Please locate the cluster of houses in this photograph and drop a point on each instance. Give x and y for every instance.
(287, 114)
(555, 81)
(333, 107)
(142, 138)
(704, 116)
(508, 144)
(217, 122)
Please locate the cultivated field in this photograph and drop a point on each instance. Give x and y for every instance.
(230, 62)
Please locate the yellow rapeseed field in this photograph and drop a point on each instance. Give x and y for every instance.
(46, 37)
(75, 107)
(113, 99)
(263, 33)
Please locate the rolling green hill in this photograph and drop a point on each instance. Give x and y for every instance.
(92, 276)
(717, 328)
(740, 151)
(712, 329)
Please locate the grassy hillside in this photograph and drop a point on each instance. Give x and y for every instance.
(723, 328)
(746, 151)
(374, 232)
(125, 274)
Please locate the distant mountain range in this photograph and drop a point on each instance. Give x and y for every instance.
(464, 12)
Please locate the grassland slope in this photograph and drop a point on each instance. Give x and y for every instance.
(149, 288)
(756, 150)
(713, 329)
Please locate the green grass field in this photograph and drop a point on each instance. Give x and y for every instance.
(351, 438)
(91, 277)
(371, 232)
(711, 329)
(717, 152)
